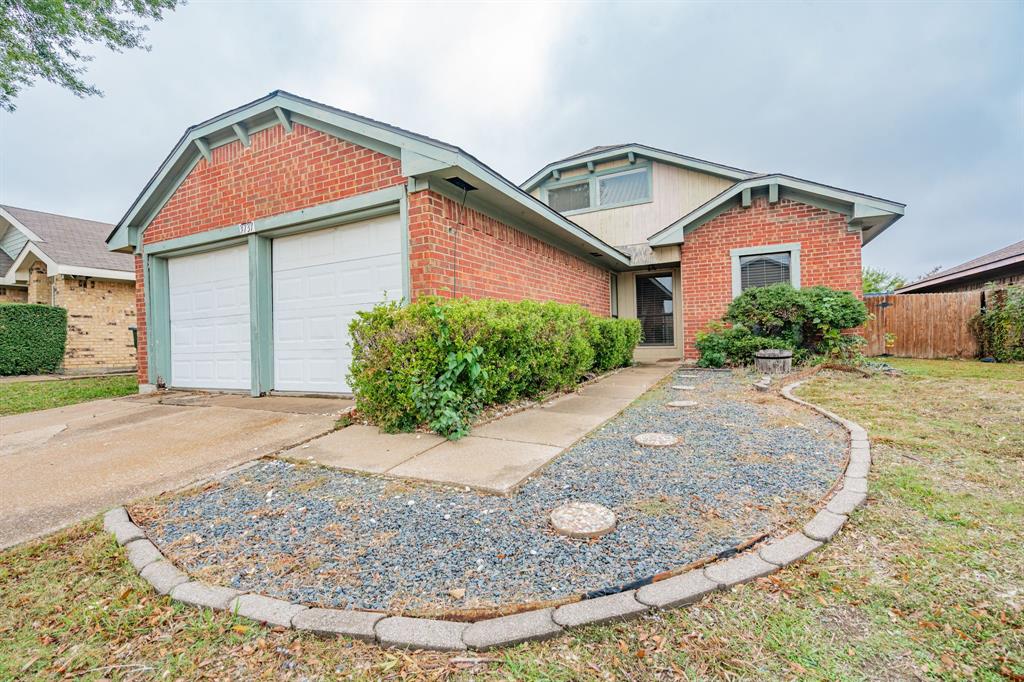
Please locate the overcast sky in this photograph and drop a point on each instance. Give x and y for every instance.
(917, 102)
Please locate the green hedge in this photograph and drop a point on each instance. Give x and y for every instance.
(440, 362)
(32, 338)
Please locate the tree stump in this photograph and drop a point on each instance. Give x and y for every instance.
(774, 361)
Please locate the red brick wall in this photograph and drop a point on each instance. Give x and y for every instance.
(280, 172)
(828, 255)
(493, 260)
(284, 172)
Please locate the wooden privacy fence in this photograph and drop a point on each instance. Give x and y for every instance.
(922, 325)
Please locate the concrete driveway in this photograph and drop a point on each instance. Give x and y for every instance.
(63, 465)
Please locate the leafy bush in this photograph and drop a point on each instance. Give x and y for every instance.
(32, 338)
(779, 316)
(720, 345)
(999, 328)
(440, 362)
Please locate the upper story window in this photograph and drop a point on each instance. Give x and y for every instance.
(607, 189)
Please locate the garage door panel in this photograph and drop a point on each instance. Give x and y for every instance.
(321, 280)
(210, 339)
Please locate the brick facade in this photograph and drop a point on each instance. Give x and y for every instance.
(480, 257)
(829, 255)
(38, 291)
(282, 172)
(13, 295)
(100, 314)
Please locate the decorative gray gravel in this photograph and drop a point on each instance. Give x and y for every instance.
(323, 537)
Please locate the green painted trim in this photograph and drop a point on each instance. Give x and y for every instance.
(243, 134)
(773, 193)
(385, 148)
(158, 331)
(204, 149)
(178, 179)
(403, 218)
(282, 116)
(642, 151)
(590, 166)
(594, 178)
(556, 175)
(359, 207)
(745, 199)
(261, 314)
(632, 158)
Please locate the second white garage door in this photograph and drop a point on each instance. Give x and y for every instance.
(321, 279)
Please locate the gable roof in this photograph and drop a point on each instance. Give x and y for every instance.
(68, 245)
(427, 159)
(611, 152)
(870, 215)
(5, 263)
(1012, 254)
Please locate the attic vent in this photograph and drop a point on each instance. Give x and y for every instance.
(461, 184)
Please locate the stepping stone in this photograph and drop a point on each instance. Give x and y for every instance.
(684, 387)
(656, 440)
(682, 403)
(688, 376)
(584, 520)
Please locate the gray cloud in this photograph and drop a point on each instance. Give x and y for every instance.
(921, 103)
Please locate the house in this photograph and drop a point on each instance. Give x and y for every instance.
(268, 227)
(63, 261)
(1003, 266)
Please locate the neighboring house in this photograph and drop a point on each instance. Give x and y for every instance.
(63, 261)
(1001, 267)
(268, 227)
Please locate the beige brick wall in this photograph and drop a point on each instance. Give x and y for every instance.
(13, 295)
(38, 284)
(100, 313)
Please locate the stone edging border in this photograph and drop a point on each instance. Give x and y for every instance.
(441, 635)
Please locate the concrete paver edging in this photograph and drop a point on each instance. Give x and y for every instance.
(439, 635)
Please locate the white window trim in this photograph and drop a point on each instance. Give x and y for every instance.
(794, 263)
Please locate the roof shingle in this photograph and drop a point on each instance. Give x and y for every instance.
(73, 241)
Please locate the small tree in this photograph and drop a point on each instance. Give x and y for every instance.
(877, 281)
(44, 38)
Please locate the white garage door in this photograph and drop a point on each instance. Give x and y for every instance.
(210, 319)
(321, 279)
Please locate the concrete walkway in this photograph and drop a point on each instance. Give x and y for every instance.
(496, 457)
(66, 464)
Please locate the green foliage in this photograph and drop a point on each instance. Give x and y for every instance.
(720, 345)
(439, 362)
(44, 39)
(999, 328)
(777, 311)
(877, 281)
(32, 338)
(811, 320)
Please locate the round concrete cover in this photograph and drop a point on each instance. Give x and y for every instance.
(683, 403)
(656, 440)
(583, 520)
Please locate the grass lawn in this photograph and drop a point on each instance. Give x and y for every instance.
(28, 396)
(926, 581)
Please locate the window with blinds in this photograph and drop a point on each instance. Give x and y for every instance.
(764, 269)
(654, 309)
(623, 187)
(571, 198)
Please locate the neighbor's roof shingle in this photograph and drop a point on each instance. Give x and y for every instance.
(73, 241)
(5, 263)
(988, 261)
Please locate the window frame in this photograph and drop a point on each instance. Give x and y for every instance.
(675, 305)
(794, 263)
(594, 178)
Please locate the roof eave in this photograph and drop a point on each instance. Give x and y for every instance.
(624, 151)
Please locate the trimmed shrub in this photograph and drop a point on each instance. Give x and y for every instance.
(999, 328)
(720, 345)
(439, 362)
(806, 321)
(32, 338)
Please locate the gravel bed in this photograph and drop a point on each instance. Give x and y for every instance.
(746, 463)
